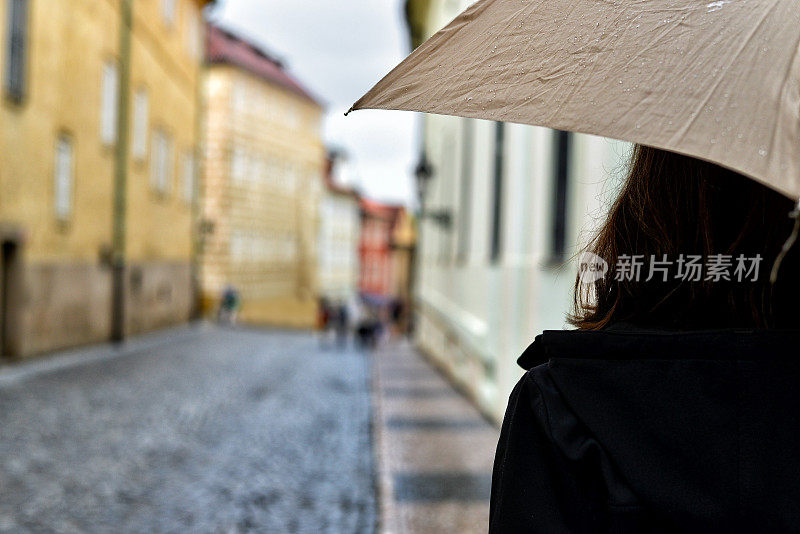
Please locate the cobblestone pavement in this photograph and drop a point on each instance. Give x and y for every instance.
(436, 451)
(207, 430)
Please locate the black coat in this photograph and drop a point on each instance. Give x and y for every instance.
(626, 430)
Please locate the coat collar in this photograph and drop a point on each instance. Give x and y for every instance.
(629, 342)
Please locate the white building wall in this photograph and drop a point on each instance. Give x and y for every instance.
(474, 316)
(338, 237)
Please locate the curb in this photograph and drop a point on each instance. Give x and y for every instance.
(51, 362)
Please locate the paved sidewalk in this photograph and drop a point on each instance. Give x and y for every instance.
(435, 451)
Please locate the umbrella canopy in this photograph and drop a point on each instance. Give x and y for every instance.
(717, 80)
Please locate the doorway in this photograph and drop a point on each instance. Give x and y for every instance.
(9, 306)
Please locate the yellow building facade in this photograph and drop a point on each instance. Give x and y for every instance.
(264, 161)
(67, 146)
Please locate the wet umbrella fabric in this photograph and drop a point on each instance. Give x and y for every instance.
(717, 80)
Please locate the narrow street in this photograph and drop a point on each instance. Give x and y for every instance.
(207, 431)
(216, 430)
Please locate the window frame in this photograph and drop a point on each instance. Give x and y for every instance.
(162, 161)
(17, 39)
(238, 164)
(109, 105)
(496, 235)
(189, 176)
(463, 244)
(562, 150)
(64, 209)
(169, 13)
(141, 124)
(193, 32)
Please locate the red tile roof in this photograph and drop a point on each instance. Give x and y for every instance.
(222, 46)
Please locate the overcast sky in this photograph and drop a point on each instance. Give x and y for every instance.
(338, 50)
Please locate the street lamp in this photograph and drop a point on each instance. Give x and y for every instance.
(423, 173)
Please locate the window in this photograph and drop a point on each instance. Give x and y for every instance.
(465, 193)
(560, 191)
(161, 162)
(108, 110)
(239, 96)
(16, 46)
(238, 247)
(168, 12)
(193, 33)
(447, 185)
(281, 174)
(63, 178)
(288, 248)
(292, 116)
(189, 174)
(497, 193)
(238, 164)
(259, 169)
(291, 178)
(141, 108)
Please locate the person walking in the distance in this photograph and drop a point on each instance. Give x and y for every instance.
(228, 306)
(342, 325)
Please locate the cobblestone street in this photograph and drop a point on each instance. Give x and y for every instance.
(204, 429)
(199, 430)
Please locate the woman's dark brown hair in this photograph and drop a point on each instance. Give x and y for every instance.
(676, 205)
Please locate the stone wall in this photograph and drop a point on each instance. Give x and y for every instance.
(64, 305)
(158, 294)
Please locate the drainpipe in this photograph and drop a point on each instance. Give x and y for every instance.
(197, 215)
(121, 175)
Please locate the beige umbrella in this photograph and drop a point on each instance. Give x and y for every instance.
(717, 80)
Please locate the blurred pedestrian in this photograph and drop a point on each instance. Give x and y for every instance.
(396, 312)
(342, 325)
(368, 331)
(228, 306)
(324, 317)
